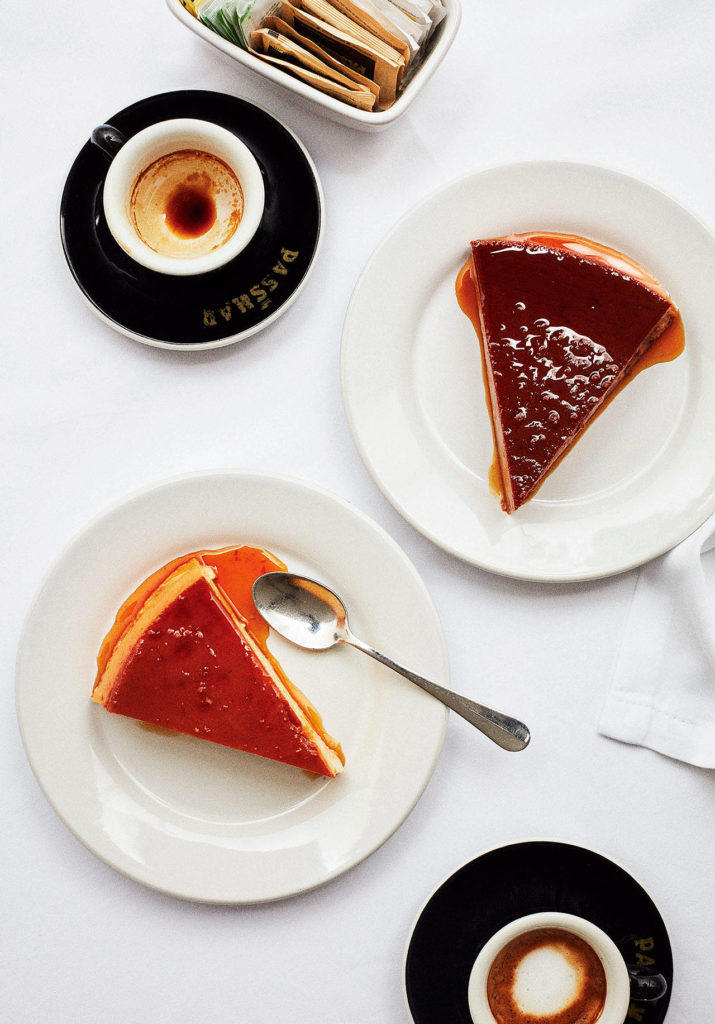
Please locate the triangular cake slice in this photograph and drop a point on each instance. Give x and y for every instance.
(561, 326)
(187, 662)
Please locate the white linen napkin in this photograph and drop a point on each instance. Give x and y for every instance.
(663, 692)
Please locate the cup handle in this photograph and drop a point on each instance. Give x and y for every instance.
(109, 139)
(646, 986)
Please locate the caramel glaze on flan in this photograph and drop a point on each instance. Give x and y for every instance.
(187, 653)
(563, 323)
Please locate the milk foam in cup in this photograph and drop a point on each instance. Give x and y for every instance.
(546, 965)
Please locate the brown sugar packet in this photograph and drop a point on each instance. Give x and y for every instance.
(362, 18)
(270, 42)
(282, 52)
(335, 14)
(284, 28)
(382, 69)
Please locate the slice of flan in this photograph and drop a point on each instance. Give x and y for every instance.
(188, 662)
(563, 322)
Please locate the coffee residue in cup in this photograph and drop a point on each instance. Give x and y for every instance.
(186, 204)
(548, 975)
(191, 209)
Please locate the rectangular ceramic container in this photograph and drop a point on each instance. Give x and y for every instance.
(364, 120)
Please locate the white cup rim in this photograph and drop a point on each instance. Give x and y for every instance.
(165, 137)
(617, 978)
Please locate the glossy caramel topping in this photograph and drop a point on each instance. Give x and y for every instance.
(193, 619)
(561, 327)
(237, 569)
(193, 672)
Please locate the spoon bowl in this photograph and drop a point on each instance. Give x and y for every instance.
(303, 611)
(312, 616)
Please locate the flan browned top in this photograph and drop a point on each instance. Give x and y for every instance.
(560, 329)
(182, 656)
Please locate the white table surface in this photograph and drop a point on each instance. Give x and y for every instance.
(90, 416)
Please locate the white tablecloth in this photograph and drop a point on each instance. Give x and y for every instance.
(89, 416)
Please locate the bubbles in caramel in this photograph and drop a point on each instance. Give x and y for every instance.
(564, 323)
(187, 652)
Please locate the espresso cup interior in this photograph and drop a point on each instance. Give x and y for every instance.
(549, 966)
(183, 197)
(186, 203)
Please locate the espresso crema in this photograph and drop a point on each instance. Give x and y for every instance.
(546, 976)
(186, 204)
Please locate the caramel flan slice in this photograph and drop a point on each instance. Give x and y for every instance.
(563, 323)
(187, 661)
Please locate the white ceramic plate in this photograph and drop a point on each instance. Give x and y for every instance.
(193, 818)
(642, 477)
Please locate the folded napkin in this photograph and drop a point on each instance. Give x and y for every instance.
(663, 693)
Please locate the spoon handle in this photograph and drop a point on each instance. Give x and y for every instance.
(507, 732)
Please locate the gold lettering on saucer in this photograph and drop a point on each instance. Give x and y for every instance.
(644, 961)
(643, 946)
(257, 295)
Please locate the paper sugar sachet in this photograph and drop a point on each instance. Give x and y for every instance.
(395, 20)
(358, 51)
(282, 51)
(284, 29)
(349, 42)
(225, 17)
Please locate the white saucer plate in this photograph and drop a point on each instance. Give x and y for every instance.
(192, 818)
(642, 477)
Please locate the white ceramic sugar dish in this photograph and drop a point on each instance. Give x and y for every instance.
(336, 110)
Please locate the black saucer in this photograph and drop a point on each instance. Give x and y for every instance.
(226, 304)
(513, 881)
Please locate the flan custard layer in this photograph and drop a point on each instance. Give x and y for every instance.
(563, 322)
(183, 657)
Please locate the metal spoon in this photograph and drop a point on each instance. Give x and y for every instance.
(310, 615)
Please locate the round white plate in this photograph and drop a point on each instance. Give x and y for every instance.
(193, 818)
(641, 478)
